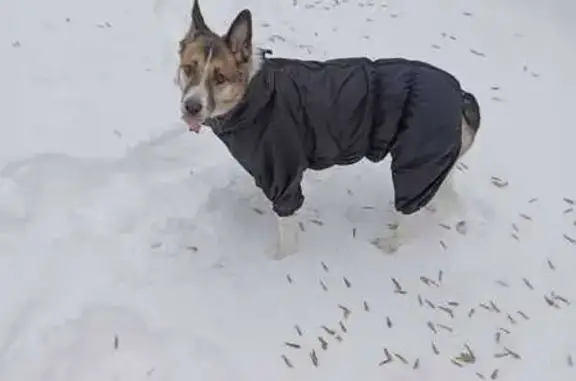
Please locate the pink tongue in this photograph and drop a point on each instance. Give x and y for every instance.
(193, 124)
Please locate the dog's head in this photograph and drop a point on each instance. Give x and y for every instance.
(214, 70)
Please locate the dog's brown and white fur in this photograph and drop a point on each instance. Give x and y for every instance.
(214, 73)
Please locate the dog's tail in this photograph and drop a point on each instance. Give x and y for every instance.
(471, 111)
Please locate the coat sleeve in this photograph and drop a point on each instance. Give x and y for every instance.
(282, 162)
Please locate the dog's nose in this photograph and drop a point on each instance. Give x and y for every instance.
(193, 107)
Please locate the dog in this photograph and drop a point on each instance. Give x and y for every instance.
(279, 117)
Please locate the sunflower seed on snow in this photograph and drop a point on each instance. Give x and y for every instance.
(329, 331)
(298, 330)
(347, 282)
(461, 227)
(287, 361)
(346, 311)
(366, 306)
(388, 358)
(401, 358)
(314, 358)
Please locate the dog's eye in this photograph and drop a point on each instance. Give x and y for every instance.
(188, 70)
(219, 78)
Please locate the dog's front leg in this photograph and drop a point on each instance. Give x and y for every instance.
(288, 237)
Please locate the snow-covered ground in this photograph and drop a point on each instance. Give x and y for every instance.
(133, 250)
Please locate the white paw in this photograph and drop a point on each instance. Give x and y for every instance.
(288, 238)
(388, 245)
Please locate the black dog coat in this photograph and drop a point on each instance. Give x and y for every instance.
(305, 114)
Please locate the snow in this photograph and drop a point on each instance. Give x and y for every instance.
(133, 250)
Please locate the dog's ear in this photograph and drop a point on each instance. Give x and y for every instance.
(197, 23)
(239, 36)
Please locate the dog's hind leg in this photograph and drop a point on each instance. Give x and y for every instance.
(288, 239)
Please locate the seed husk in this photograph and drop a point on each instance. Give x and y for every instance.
(346, 311)
(494, 306)
(561, 298)
(298, 330)
(526, 317)
(445, 327)
(569, 239)
(314, 358)
(347, 282)
(365, 306)
(329, 331)
(498, 182)
(389, 322)
(461, 227)
(388, 358)
(550, 301)
(527, 283)
(287, 361)
(323, 343)
(513, 354)
(456, 363)
(401, 358)
(427, 281)
(397, 287)
(447, 310)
